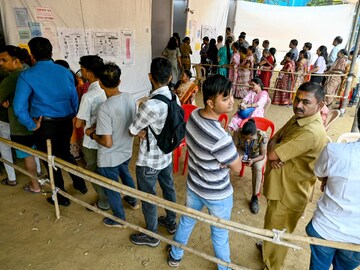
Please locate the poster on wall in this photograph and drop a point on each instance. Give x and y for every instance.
(49, 31)
(127, 55)
(208, 31)
(44, 14)
(74, 43)
(35, 29)
(21, 17)
(106, 43)
(24, 35)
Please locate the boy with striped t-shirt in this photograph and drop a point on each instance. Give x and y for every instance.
(211, 155)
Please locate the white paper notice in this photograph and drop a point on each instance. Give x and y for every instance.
(106, 43)
(74, 43)
(43, 14)
(127, 48)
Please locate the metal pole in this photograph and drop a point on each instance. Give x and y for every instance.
(350, 76)
(352, 35)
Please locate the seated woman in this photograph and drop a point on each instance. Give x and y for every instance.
(252, 105)
(252, 143)
(186, 89)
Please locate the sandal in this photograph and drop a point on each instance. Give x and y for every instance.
(28, 189)
(8, 182)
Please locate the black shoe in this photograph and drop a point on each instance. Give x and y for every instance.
(83, 189)
(259, 245)
(172, 262)
(254, 205)
(350, 104)
(171, 227)
(143, 239)
(133, 205)
(62, 201)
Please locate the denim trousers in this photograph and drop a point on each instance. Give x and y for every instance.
(5, 150)
(146, 180)
(90, 156)
(219, 237)
(322, 257)
(114, 197)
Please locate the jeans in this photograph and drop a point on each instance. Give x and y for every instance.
(90, 156)
(220, 237)
(5, 150)
(146, 179)
(114, 197)
(323, 257)
(59, 132)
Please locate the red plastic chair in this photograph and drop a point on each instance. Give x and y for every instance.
(188, 108)
(223, 119)
(262, 124)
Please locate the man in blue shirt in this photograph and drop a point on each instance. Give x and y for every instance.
(46, 102)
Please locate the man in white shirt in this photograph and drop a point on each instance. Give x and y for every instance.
(333, 54)
(86, 117)
(337, 216)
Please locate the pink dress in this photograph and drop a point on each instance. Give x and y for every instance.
(233, 72)
(261, 99)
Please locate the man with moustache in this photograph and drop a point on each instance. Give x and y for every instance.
(289, 177)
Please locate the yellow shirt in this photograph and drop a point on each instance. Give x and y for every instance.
(300, 143)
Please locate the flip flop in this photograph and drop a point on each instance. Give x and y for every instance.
(28, 189)
(9, 183)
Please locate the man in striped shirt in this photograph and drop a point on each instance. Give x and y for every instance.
(212, 154)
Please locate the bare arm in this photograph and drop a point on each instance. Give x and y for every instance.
(104, 140)
(236, 164)
(79, 123)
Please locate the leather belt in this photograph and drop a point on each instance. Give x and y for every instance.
(47, 118)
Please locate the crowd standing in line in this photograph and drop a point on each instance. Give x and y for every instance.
(44, 101)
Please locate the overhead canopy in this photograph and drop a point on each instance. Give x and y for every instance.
(279, 24)
(117, 30)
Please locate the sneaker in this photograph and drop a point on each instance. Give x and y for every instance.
(171, 227)
(143, 239)
(350, 104)
(254, 205)
(134, 205)
(112, 223)
(172, 262)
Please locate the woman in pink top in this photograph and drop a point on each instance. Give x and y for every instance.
(252, 105)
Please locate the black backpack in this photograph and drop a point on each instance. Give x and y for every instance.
(173, 131)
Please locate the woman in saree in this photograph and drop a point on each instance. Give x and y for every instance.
(332, 83)
(301, 69)
(285, 81)
(224, 56)
(234, 65)
(245, 74)
(266, 65)
(186, 89)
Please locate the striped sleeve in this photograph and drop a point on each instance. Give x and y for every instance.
(224, 150)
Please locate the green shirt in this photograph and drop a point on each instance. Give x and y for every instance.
(7, 92)
(299, 144)
(3, 111)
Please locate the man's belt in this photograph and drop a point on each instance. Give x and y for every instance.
(47, 118)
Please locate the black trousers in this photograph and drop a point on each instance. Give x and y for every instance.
(59, 132)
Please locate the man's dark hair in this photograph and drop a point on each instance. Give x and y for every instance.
(338, 39)
(41, 48)
(17, 53)
(206, 38)
(308, 45)
(294, 42)
(314, 87)
(109, 75)
(214, 86)
(160, 70)
(220, 38)
(94, 63)
(228, 28)
(243, 34)
(256, 41)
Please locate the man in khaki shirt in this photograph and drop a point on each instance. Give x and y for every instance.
(289, 176)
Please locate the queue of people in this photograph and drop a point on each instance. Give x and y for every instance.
(44, 102)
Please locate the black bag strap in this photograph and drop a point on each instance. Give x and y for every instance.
(165, 100)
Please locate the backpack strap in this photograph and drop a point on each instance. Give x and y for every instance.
(165, 100)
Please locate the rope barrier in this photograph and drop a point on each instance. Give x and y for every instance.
(267, 235)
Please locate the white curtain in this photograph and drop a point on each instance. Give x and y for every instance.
(93, 14)
(211, 14)
(280, 24)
